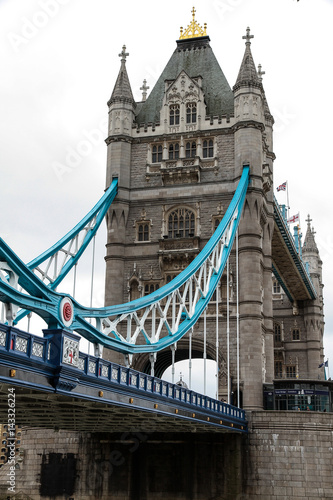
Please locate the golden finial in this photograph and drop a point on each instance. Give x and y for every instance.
(194, 30)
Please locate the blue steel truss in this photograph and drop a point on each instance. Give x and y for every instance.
(147, 324)
(53, 265)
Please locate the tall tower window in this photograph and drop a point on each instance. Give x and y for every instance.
(190, 149)
(277, 333)
(191, 112)
(181, 223)
(278, 369)
(208, 149)
(157, 154)
(174, 114)
(174, 151)
(278, 364)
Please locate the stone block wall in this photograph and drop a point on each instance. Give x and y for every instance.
(286, 456)
(289, 455)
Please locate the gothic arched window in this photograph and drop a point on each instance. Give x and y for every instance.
(174, 114)
(174, 151)
(191, 112)
(208, 149)
(181, 223)
(191, 149)
(157, 154)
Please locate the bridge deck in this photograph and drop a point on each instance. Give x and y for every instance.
(97, 395)
(288, 266)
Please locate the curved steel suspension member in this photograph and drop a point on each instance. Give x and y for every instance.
(53, 265)
(152, 322)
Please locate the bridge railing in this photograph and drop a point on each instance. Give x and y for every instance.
(60, 349)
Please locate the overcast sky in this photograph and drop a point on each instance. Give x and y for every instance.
(59, 61)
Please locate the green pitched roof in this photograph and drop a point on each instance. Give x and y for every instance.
(196, 58)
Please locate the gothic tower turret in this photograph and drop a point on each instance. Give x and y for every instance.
(313, 310)
(119, 145)
(253, 146)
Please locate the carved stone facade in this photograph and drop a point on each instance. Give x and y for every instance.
(178, 156)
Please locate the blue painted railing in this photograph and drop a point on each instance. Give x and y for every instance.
(49, 352)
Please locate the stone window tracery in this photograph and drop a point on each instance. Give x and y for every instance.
(181, 223)
(174, 151)
(174, 113)
(191, 112)
(191, 149)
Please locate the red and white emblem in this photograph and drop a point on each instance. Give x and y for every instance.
(66, 311)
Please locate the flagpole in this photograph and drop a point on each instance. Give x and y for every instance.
(328, 370)
(288, 207)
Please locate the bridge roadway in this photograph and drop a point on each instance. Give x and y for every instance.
(57, 386)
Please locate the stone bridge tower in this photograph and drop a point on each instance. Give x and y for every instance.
(178, 155)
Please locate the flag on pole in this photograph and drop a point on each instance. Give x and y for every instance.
(293, 219)
(324, 364)
(282, 187)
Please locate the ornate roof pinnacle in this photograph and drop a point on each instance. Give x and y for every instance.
(194, 30)
(248, 37)
(260, 72)
(123, 54)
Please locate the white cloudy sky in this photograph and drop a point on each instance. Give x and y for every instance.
(59, 61)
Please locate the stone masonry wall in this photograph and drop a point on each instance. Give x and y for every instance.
(289, 456)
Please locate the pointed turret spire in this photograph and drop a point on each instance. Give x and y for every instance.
(122, 90)
(310, 244)
(247, 72)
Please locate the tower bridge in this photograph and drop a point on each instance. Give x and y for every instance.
(200, 262)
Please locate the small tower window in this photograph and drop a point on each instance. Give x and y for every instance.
(208, 149)
(143, 232)
(291, 371)
(174, 114)
(295, 334)
(191, 149)
(157, 154)
(150, 288)
(174, 151)
(191, 113)
(276, 287)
